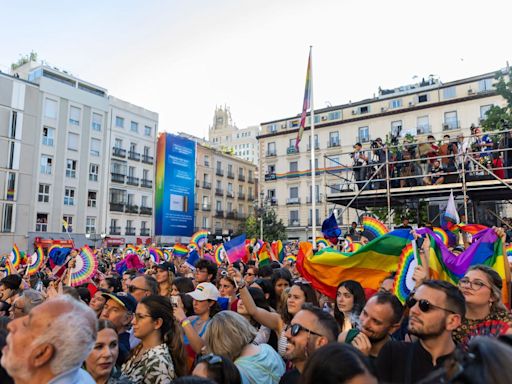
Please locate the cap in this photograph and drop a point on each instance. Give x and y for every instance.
(205, 291)
(458, 248)
(167, 266)
(125, 300)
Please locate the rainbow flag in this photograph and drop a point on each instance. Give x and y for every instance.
(508, 250)
(156, 254)
(235, 248)
(472, 229)
(306, 103)
(278, 250)
(369, 265)
(290, 258)
(404, 284)
(15, 256)
(441, 233)
(264, 256)
(200, 238)
(180, 250)
(35, 262)
(374, 226)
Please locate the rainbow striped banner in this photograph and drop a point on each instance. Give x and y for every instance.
(180, 250)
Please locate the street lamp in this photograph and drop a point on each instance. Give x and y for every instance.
(260, 207)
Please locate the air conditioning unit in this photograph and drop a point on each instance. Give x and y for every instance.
(470, 91)
(354, 112)
(324, 118)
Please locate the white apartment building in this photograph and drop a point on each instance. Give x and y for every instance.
(430, 107)
(227, 137)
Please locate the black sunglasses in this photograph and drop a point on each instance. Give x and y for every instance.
(425, 305)
(210, 359)
(133, 288)
(296, 328)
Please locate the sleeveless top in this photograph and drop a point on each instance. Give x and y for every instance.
(282, 342)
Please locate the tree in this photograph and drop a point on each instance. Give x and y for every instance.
(273, 227)
(500, 118)
(24, 59)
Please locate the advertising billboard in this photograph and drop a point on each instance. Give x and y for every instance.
(175, 183)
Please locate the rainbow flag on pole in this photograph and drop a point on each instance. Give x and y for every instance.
(306, 104)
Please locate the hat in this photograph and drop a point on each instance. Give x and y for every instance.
(11, 281)
(166, 266)
(205, 291)
(125, 300)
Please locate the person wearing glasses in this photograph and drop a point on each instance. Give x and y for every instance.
(231, 335)
(142, 286)
(481, 287)
(310, 329)
(23, 304)
(217, 368)
(251, 274)
(436, 309)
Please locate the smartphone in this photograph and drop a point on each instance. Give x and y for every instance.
(174, 301)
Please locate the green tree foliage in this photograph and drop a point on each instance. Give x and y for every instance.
(273, 227)
(24, 59)
(500, 118)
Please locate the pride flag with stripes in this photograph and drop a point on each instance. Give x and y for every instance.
(306, 103)
(235, 248)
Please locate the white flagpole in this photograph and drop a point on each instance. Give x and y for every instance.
(312, 143)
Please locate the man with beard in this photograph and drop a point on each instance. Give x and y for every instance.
(379, 318)
(436, 310)
(310, 329)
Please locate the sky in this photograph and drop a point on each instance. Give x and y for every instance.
(184, 58)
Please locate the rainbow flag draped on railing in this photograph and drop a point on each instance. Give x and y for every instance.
(369, 265)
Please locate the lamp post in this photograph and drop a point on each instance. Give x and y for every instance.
(261, 207)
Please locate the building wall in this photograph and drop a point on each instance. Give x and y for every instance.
(467, 97)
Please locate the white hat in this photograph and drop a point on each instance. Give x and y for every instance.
(205, 291)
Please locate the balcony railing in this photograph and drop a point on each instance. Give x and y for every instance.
(270, 176)
(207, 185)
(119, 152)
(116, 207)
(251, 180)
(241, 196)
(146, 183)
(118, 177)
(219, 192)
(129, 231)
(144, 231)
(241, 177)
(309, 200)
(147, 159)
(146, 210)
(230, 215)
(115, 230)
(206, 207)
(131, 209)
(292, 150)
(219, 172)
(230, 194)
(130, 180)
(271, 153)
(293, 200)
(333, 143)
(294, 223)
(219, 213)
(134, 156)
(231, 175)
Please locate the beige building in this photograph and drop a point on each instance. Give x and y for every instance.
(429, 107)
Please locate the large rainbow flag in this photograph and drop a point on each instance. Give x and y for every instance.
(306, 103)
(369, 265)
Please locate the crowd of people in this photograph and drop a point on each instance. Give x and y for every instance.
(432, 162)
(173, 322)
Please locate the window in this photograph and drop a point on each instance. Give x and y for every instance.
(48, 136)
(94, 170)
(145, 174)
(317, 216)
(271, 149)
(73, 141)
(68, 220)
(336, 115)
(90, 224)
(95, 147)
(294, 166)
(317, 192)
(144, 201)
(334, 139)
(50, 108)
(272, 128)
(14, 123)
(118, 143)
(423, 125)
(42, 222)
(134, 127)
(364, 109)
(485, 85)
(96, 122)
(44, 193)
(147, 131)
(316, 163)
(483, 111)
(205, 222)
(11, 186)
(294, 218)
(292, 142)
(364, 134)
(69, 196)
(422, 98)
(46, 165)
(450, 120)
(396, 103)
(396, 128)
(271, 168)
(294, 192)
(449, 93)
(206, 161)
(91, 199)
(74, 115)
(119, 122)
(218, 205)
(219, 166)
(71, 168)
(7, 218)
(333, 161)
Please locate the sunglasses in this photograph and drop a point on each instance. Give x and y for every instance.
(425, 305)
(210, 359)
(296, 328)
(133, 288)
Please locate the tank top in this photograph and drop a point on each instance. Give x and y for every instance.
(282, 342)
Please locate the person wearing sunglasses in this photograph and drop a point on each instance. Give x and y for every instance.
(481, 287)
(436, 309)
(218, 369)
(251, 274)
(142, 286)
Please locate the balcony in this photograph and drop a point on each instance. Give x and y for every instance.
(317, 146)
(270, 176)
(144, 231)
(251, 180)
(146, 183)
(271, 153)
(309, 199)
(147, 159)
(230, 215)
(207, 185)
(273, 201)
(293, 223)
(116, 207)
(129, 231)
(130, 180)
(293, 200)
(219, 172)
(134, 156)
(241, 196)
(219, 214)
(118, 177)
(206, 207)
(241, 177)
(230, 194)
(131, 208)
(119, 152)
(250, 197)
(219, 192)
(115, 230)
(146, 210)
(292, 150)
(230, 175)
(333, 143)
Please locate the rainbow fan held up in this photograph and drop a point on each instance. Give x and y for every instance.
(15, 256)
(200, 238)
(322, 243)
(219, 254)
(35, 262)
(85, 268)
(441, 233)
(155, 254)
(374, 226)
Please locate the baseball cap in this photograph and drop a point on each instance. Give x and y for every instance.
(167, 266)
(125, 300)
(205, 291)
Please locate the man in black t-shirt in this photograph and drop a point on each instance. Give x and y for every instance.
(436, 309)
(405, 224)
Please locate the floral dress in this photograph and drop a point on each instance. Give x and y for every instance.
(495, 324)
(153, 366)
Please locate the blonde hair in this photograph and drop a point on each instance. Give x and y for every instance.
(228, 333)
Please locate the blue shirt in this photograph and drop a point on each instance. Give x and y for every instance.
(73, 376)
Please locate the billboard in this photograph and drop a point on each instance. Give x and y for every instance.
(175, 183)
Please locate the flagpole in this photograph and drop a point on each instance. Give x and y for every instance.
(312, 144)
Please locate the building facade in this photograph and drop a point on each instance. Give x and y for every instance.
(430, 107)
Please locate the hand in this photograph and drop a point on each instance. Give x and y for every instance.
(179, 313)
(415, 235)
(362, 343)
(500, 232)
(234, 273)
(419, 275)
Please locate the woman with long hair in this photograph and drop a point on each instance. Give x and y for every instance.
(264, 333)
(160, 357)
(164, 276)
(350, 300)
(281, 280)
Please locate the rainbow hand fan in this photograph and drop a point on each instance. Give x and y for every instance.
(220, 254)
(156, 254)
(15, 256)
(322, 243)
(375, 226)
(85, 268)
(200, 238)
(35, 261)
(441, 233)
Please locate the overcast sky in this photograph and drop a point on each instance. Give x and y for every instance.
(182, 58)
